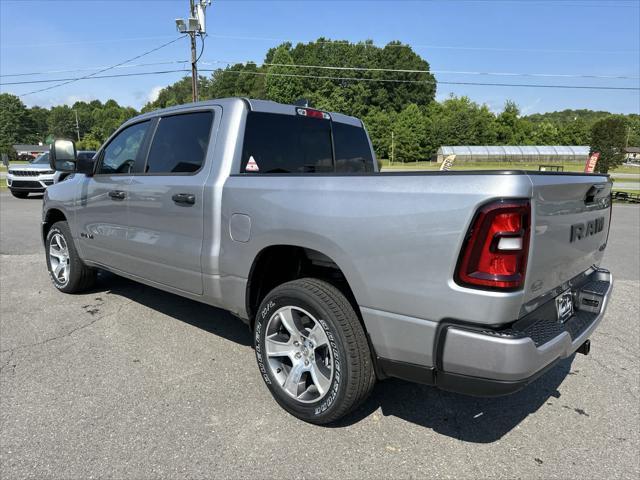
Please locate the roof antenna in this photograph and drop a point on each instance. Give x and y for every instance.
(303, 102)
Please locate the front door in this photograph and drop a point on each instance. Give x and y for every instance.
(102, 216)
(166, 207)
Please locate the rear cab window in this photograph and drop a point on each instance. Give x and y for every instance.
(353, 152)
(277, 143)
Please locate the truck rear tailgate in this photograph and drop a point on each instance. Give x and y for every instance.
(570, 226)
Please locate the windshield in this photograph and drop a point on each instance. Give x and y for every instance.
(42, 159)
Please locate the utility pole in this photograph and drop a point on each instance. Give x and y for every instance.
(193, 26)
(392, 145)
(194, 66)
(77, 125)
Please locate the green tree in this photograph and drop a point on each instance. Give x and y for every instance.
(576, 132)
(609, 137)
(85, 117)
(89, 142)
(511, 129)
(458, 121)
(107, 119)
(633, 132)
(328, 88)
(408, 131)
(62, 122)
(15, 123)
(397, 95)
(176, 94)
(279, 86)
(545, 133)
(564, 117)
(379, 124)
(39, 123)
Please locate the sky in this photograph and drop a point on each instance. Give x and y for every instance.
(565, 39)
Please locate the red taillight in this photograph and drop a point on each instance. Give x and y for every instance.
(495, 252)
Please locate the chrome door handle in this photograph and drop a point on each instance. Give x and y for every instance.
(184, 198)
(117, 194)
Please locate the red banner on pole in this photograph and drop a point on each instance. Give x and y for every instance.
(592, 161)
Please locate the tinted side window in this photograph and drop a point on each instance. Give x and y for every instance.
(122, 155)
(286, 144)
(180, 143)
(353, 153)
(85, 155)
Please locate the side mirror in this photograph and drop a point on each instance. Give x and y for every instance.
(63, 156)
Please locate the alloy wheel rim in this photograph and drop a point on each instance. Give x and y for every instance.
(299, 354)
(59, 258)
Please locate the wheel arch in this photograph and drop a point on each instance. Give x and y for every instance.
(278, 264)
(52, 216)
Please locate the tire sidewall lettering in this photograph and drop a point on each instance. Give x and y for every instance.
(328, 400)
(258, 350)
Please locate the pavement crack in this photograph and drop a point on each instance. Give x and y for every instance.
(616, 374)
(6, 364)
(64, 335)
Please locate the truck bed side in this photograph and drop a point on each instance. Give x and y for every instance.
(396, 238)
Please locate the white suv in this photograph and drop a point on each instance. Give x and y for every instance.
(36, 176)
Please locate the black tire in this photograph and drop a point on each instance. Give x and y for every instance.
(353, 377)
(80, 277)
(19, 194)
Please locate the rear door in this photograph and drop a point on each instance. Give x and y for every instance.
(102, 216)
(571, 225)
(166, 207)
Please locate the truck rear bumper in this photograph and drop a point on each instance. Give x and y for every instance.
(493, 362)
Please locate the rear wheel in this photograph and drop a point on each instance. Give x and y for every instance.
(312, 351)
(68, 272)
(19, 194)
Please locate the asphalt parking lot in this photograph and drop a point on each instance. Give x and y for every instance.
(130, 382)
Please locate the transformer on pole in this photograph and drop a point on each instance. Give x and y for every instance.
(193, 26)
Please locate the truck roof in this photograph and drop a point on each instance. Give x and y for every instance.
(254, 105)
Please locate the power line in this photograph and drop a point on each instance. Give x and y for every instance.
(532, 85)
(328, 67)
(89, 69)
(451, 72)
(115, 75)
(91, 75)
(327, 77)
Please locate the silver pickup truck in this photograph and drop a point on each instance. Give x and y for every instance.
(472, 281)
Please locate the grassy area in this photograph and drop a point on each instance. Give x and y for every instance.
(568, 167)
(628, 180)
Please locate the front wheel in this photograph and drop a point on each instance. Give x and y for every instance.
(312, 351)
(68, 272)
